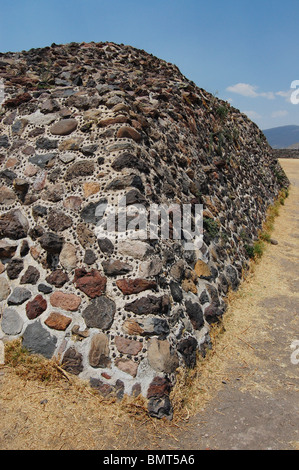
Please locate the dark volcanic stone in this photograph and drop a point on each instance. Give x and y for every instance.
(51, 242)
(31, 276)
(83, 168)
(195, 314)
(116, 267)
(149, 305)
(160, 407)
(100, 313)
(188, 347)
(13, 225)
(159, 387)
(59, 221)
(89, 257)
(42, 160)
(57, 278)
(45, 289)
(38, 340)
(14, 268)
(94, 211)
(106, 246)
(72, 361)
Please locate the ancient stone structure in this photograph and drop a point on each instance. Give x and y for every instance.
(80, 126)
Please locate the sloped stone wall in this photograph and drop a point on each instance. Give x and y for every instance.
(80, 126)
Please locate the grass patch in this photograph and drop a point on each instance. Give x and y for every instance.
(32, 366)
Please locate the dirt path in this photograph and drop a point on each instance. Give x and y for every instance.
(244, 396)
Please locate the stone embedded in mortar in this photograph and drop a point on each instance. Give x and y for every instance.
(18, 296)
(58, 221)
(57, 321)
(64, 127)
(4, 289)
(7, 195)
(79, 169)
(151, 268)
(38, 340)
(195, 314)
(43, 160)
(7, 249)
(159, 387)
(106, 246)
(31, 276)
(35, 307)
(188, 347)
(99, 351)
(149, 305)
(92, 283)
(51, 242)
(147, 327)
(11, 323)
(100, 313)
(128, 346)
(65, 301)
(161, 357)
(128, 133)
(72, 361)
(57, 278)
(116, 267)
(135, 286)
(14, 268)
(127, 365)
(13, 225)
(68, 257)
(135, 248)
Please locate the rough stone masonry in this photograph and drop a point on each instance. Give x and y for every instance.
(80, 126)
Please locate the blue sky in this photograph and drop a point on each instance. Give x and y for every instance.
(243, 51)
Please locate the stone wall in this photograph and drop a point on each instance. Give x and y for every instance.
(286, 153)
(82, 125)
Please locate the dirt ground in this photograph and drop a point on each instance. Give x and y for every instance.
(244, 395)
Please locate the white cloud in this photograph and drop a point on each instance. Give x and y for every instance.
(285, 94)
(277, 114)
(245, 89)
(252, 114)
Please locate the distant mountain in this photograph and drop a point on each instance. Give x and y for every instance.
(282, 137)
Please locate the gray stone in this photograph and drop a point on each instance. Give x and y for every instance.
(11, 323)
(19, 296)
(42, 160)
(151, 268)
(100, 313)
(116, 267)
(135, 248)
(38, 340)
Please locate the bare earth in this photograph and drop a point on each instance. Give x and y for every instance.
(243, 396)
